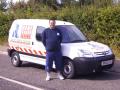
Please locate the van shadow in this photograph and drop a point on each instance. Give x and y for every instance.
(27, 64)
(33, 65)
(99, 76)
(111, 74)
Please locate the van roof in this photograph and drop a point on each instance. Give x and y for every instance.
(39, 22)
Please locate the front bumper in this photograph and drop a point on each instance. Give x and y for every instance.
(85, 65)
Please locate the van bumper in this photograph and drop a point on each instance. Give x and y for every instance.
(85, 65)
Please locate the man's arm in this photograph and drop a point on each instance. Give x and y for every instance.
(61, 37)
(44, 38)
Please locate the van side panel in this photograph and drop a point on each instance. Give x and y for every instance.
(32, 59)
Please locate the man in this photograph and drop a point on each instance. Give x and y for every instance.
(52, 38)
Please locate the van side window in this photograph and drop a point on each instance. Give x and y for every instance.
(39, 31)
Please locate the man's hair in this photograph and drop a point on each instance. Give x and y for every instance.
(53, 18)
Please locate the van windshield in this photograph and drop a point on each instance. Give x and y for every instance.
(71, 34)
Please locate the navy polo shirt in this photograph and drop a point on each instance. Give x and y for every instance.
(52, 39)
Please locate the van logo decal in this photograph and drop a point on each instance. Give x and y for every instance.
(58, 34)
(95, 46)
(15, 32)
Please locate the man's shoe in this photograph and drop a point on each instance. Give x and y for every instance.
(60, 77)
(48, 78)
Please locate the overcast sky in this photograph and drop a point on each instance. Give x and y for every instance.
(14, 1)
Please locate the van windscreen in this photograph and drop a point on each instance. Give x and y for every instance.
(71, 34)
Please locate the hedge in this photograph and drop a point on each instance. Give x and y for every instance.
(99, 24)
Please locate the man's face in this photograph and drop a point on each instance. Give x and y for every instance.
(52, 24)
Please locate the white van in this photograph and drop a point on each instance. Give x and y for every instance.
(80, 55)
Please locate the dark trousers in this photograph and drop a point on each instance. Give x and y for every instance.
(55, 56)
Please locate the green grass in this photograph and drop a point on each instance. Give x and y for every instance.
(3, 41)
(116, 51)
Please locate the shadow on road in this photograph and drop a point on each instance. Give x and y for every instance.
(100, 76)
(112, 74)
(37, 66)
(27, 64)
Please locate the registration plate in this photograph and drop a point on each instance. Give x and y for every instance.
(106, 62)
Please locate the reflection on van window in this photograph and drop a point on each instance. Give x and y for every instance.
(39, 31)
(71, 33)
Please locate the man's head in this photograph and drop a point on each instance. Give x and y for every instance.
(52, 23)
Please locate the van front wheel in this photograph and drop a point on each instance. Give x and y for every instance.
(15, 59)
(69, 70)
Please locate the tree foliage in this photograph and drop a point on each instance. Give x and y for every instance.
(2, 5)
(98, 22)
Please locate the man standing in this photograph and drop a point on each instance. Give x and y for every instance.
(52, 38)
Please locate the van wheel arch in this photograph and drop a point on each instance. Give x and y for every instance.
(11, 52)
(69, 68)
(15, 59)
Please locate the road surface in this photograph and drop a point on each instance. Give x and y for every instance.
(32, 77)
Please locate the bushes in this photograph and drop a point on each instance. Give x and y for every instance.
(99, 24)
(5, 21)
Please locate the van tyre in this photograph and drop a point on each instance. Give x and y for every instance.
(69, 70)
(15, 59)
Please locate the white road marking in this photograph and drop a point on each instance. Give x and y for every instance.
(21, 83)
(3, 52)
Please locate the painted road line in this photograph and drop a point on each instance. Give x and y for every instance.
(3, 52)
(21, 83)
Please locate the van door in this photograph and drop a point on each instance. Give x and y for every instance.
(37, 45)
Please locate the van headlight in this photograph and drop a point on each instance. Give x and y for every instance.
(110, 51)
(85, 53)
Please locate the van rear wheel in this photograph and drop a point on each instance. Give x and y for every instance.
(69, 70)
(15, 59)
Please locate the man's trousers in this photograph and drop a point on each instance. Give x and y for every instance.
(56, 57)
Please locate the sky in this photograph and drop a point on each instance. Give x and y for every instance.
(58, 1)
(14, 1)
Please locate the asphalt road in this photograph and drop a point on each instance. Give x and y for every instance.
(32, 76)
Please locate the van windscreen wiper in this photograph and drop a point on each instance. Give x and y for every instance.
(78, 41)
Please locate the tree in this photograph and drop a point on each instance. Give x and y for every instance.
(3, 5)
(102, 3)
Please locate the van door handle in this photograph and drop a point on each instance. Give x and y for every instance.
(32, 43)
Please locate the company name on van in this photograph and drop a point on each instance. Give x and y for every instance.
(19, 41)
(25, 32)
